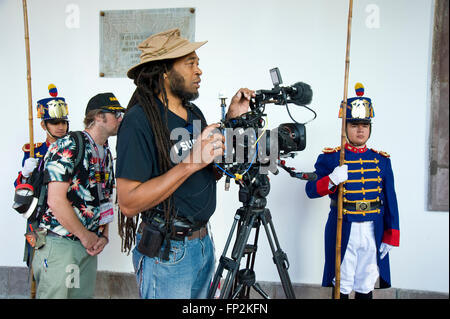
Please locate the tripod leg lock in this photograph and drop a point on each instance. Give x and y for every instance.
(280, 257)
(229, 264)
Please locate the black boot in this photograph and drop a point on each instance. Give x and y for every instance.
(342, 296)
(363, 296)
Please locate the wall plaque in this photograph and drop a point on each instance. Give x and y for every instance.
(121, 31)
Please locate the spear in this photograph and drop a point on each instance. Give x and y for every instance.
(342, 157)
(30, 103)
(30, 119)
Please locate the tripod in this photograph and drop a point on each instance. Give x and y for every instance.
(251, 215)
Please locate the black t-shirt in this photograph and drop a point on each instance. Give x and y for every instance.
(137, 159)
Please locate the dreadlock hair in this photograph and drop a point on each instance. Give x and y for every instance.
(149, 81)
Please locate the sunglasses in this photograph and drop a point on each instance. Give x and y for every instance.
(117, 114)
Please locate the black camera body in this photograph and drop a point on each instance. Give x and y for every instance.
(290, 137)
(251, 149)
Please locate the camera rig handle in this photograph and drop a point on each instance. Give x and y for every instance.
(300, 175)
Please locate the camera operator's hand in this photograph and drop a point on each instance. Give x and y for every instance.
(209, 145)
(240, 102)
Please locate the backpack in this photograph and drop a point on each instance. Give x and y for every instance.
(33, 208)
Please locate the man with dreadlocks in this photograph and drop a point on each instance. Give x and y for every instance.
(165, 175)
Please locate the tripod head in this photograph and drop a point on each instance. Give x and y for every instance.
(254, 188)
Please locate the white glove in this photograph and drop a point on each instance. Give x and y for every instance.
(28, 166)
(384, 249)
(339, 175)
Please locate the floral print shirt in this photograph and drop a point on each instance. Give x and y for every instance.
(83, 192)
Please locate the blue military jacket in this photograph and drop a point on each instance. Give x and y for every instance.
(40, 149)
(370, 193)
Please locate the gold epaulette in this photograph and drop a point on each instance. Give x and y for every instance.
(384, 154)
(26, 147)
(328, 150)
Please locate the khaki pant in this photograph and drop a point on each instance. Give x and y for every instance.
(63, 270)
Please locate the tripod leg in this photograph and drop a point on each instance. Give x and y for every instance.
(242, 237)
(223, 262)
(279, 257)
(258, 288)
(237, 291)
(238, 251)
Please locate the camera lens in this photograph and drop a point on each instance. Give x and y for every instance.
(291, 137)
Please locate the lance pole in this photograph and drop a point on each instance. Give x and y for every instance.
(30, 120)
(30, 103)
(342, 157)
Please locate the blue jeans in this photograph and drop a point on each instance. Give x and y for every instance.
(186, 275)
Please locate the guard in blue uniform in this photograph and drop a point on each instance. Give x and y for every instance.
(53, 112)
(370, 226)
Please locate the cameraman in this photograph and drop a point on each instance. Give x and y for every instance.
(174, 255)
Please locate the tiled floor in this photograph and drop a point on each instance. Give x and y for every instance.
(14, 284)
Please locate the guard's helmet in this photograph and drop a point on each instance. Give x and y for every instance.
(359, 108)
(54, 107)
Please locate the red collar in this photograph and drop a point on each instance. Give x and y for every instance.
(354, 149)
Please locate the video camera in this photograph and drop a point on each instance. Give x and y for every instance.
(246, 160)
(251, 148)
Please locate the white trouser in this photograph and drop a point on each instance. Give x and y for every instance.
(359, 270)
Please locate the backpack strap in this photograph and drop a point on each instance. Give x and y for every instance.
(79, 146)
(38, 183)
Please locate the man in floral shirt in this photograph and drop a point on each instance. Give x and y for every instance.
(79, 203)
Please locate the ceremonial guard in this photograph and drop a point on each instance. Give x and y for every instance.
(53, 113)
(370, 226)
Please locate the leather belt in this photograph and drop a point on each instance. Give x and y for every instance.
(359, 205)
(182, 232)
(201, 233)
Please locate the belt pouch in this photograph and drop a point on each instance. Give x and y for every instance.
(151, 241)
(36, 238)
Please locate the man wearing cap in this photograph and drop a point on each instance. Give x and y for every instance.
(165, 174)
(370, 226)
(79, 205)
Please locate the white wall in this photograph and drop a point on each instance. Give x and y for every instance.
(306, 40)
